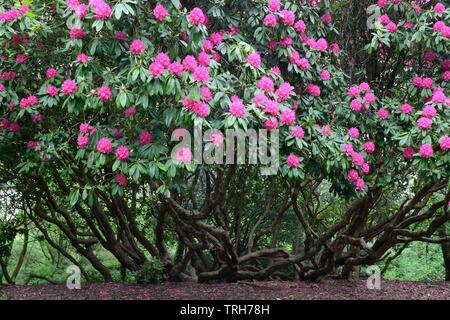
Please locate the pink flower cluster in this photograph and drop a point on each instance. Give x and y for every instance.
(76, 33)
(237, 108)
(293, 161)
(422, 83)
(121, 153)
(197, 17)
(51, 73)
(160, 12)
(101, 9)
(121, 180)
(184, 155)
(28, 102)
(442, 28)
(52, 91)
(254, 59)
(359, 104)
(198, 107)
(69, 87)
(13, 14)
(104, 146)
(145, 138)
(137, 47)
(302, 63)
(104, 93)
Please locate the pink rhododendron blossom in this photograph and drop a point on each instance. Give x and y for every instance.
(14, 127)
(260, 99)
(51, 73)
(216, 38)
(353, 91)
(104, 93)
(348, 148)
(254, 59)
(298, 132)
(216, 139)
(201, 74)
(284, 91)
(176, 68)
(69, 87)
(163, 59)
(52, 91)
(352, 175)
(429, 112)
(271, 124)
(156, 69)
(382, 3)
(272, 107)
(353, 133)
(391, 27)
(129, 112)
(190, 63)
(145, 138)
(444, 143)
(356, 105)
(122, 153)
(85, 128)
(439, 7)
(82, 142)
(408, 153)
(365, 168)
(82, 58)
(287, 17)
(300, 26)
(406, 108)
(197, 17)
(383, 113)
(266, 84)
(359, 184)
(274, 5)
(369, 97)
(160, 12)
(137, 47)
(104, 146)
(427, 83)
(117, 133)
(203, 59)
(438, 96)
(287, 117)
(384, 19)
(426, 151)
(237, 108)
(326, 18)
(313, 90)
(357, 159)
(76, 33)
(270, 20)
(121, 180)
(424, 123)
(206, 93)
(184, 155)
(369, 147)
(101, 9)
(325, 75)
(293, 161)
(364, 86)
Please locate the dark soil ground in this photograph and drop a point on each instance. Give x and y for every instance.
(274, 290)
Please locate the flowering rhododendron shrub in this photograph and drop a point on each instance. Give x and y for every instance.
(92, 93)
